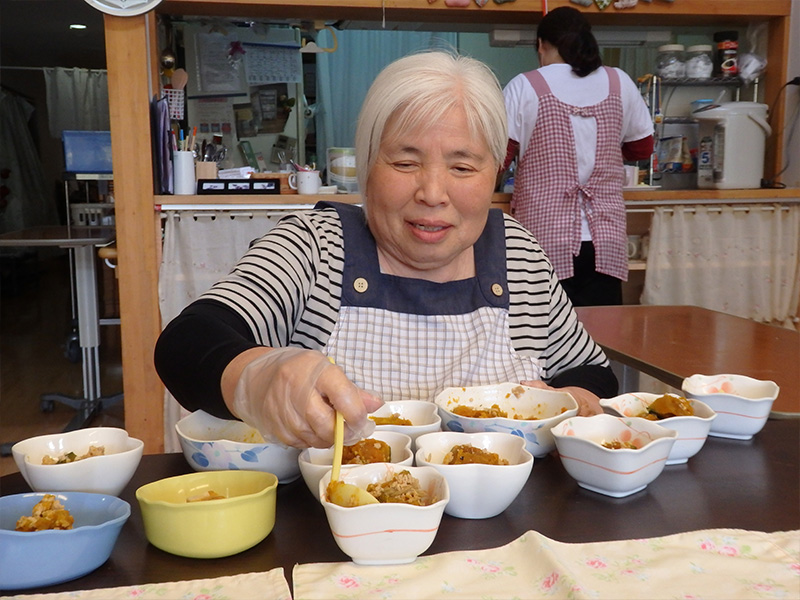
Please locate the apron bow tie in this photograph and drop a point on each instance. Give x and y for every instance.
(583, 111)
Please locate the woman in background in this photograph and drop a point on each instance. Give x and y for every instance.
(571, 123)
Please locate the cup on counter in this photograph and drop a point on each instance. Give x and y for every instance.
(631, 175)
(305, 182)
(183, 173)
(634, 247)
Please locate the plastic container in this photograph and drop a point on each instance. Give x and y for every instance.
(732, 142)
(87, 151)
(726, 63)
(699, 61)
(670, 63)
(342, 169)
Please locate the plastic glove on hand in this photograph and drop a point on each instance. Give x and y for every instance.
(291, 395)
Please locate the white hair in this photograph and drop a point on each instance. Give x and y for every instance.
(419, 89)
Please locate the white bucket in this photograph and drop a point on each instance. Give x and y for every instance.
(732, 143)
(342, 169)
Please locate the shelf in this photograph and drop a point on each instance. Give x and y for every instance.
(711, 81)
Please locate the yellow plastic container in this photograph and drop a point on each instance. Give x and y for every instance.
(209, 528)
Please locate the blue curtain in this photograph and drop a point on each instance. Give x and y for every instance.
(341, 87)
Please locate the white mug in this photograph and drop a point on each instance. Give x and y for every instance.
(631, 175)
(305, 182)
(634, 247)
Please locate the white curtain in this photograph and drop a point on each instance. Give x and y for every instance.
(77, 99)
(200, 248)
(341, 88)
(741, 260)
(25, 201)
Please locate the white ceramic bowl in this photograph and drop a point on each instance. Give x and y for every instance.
(106, 474)
(616, 473)
(478, 491)
(315, 462)
(547, 406)
(692, 430)
(212, 444)
(39, 558)
(422, 414)
(382, 534)
(742, 403)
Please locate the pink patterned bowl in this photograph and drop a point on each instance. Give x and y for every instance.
(617, 473)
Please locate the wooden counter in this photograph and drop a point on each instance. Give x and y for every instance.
(132, 61)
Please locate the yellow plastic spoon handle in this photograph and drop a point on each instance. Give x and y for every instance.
(338, 446)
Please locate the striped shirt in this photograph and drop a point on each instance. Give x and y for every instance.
(288, 288)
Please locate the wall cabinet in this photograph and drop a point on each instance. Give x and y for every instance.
(132, 60)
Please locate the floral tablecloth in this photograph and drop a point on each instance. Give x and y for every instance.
(720, 563)
(726, 564)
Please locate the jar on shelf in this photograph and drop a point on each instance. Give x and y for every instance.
(670, 61)
(699, 61)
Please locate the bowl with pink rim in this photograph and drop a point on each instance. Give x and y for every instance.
(614, 456)
(692, 429)
(742, 403)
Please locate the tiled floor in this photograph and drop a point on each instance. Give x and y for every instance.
(35, 322)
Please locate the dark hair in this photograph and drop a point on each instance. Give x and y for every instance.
(567, 29)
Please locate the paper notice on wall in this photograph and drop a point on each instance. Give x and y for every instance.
(216, 72)
(272, 63)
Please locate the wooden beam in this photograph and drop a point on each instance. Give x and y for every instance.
(129, 42)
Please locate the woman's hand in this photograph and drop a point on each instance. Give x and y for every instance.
(291, 394)
(588, 403)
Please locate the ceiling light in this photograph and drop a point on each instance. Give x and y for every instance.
(77, 26)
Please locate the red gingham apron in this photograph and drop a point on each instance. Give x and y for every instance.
(548, 195)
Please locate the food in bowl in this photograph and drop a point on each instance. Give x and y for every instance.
(106, 473)
(366, 451)
(402, 488)
(613, 472)
(68, 457)
(467, 454)
(315, 462)
(385, 533)
(742, 403)
(542, 409)
(692, 428)
(48, 557)
(46, 514)
(478, 490)
(393, 419)
(213, 444)
(666, 406)
(213, 529)
(423, 416)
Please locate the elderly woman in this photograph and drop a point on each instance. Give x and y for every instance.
(424, 288)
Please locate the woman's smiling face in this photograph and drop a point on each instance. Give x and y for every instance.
(428, 198)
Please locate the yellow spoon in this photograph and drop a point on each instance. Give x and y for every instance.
(339, 492)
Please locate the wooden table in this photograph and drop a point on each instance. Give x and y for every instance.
(729, 484)
(82, 241)
(674, 342)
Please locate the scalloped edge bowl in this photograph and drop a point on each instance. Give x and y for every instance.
(315, 462)
(421, 413)
(106, 474)
(213, 444)
(692, 430)
(553, 406)
(478, 491)
(40, 558)
(742, 403)
(615, 473)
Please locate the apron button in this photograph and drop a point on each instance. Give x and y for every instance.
(360, 285)
(497, 289)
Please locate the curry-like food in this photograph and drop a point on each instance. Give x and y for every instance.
(619, 445)
(69, 457)
(402, 488)
(666, 406)
(480, 413)
(207, 495)
(48, 513)
(393, 419)
(465, 454)
(367, 451)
